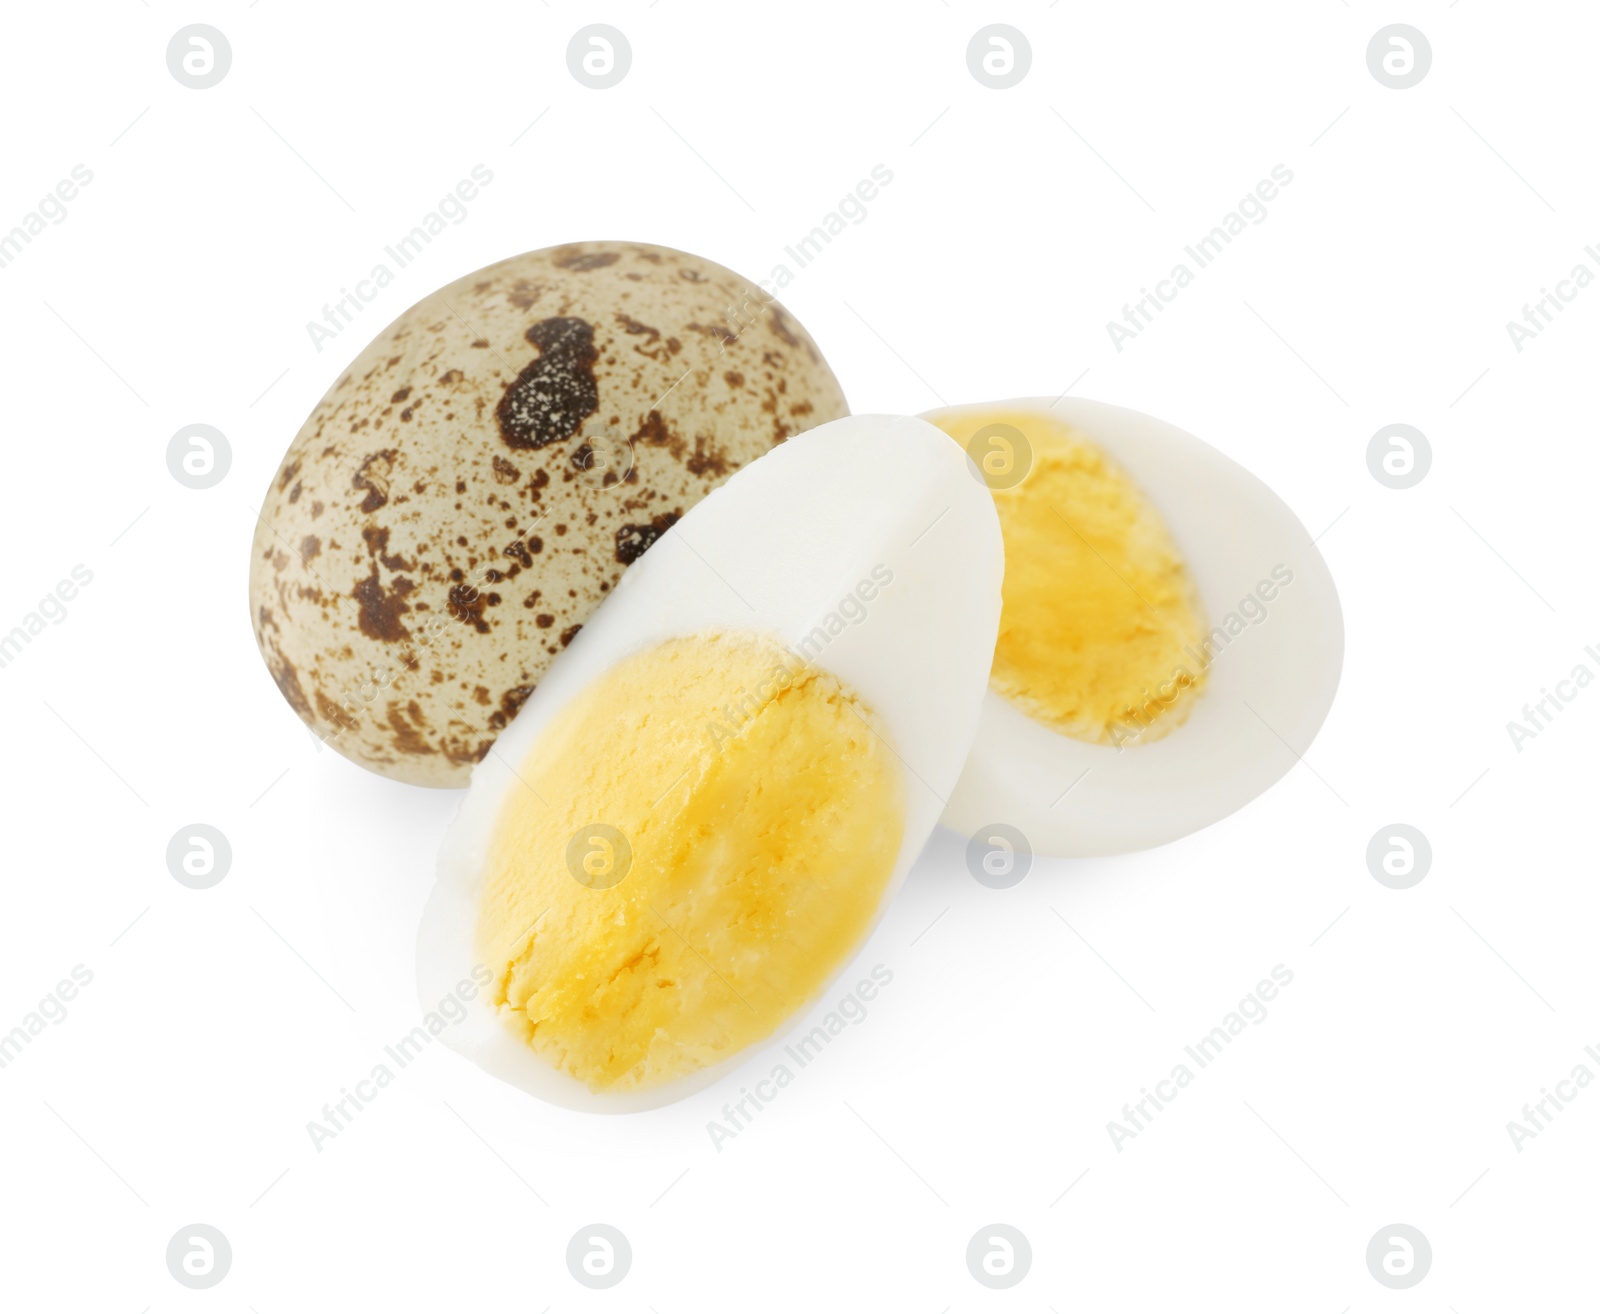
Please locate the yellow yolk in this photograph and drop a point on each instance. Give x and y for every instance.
(706, 833)
(1097, 607)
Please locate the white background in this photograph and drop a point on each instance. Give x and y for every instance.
(218, 1023)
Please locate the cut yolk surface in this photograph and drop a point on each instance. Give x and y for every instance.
(1098, 609)
(706, 833)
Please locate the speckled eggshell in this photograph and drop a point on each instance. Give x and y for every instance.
(452, 512)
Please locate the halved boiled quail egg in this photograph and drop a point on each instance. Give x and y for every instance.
(1170, 640)
(702, 810)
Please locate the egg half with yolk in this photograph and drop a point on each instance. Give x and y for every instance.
(1170, 640)
(701, 812)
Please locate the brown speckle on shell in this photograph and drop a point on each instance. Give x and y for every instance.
(380, 609)
(581, 260)
(633, 541)
(556, 391)
(372, 479)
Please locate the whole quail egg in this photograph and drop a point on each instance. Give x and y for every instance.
(477, 481)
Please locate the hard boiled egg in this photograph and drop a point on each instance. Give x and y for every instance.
(702, 810)
(1170, 642)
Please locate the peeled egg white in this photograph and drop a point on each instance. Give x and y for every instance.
(1265, 696)
(774, 550)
